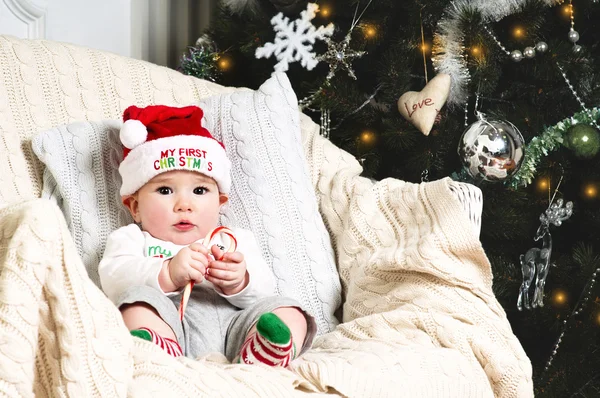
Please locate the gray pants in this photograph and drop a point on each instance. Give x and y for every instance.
(211, 323)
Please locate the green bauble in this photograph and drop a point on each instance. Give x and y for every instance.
(584, 140)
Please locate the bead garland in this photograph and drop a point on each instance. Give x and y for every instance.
(578, 309)
(517, 55)
(325, 122)
(564, 75)
(467, 112)
(541, 47)
(573, 34)
(476, 111)
(305, 102)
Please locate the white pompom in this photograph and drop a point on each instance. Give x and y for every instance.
(133, 133)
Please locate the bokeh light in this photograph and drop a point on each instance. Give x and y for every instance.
(519, 32)
(370, 31)
(590, 191)
(543, 183)
(367, 137)
(559, 297)
(224, 63)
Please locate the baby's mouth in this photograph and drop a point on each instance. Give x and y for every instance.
(184, 225)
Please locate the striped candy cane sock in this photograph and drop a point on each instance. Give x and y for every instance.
(271, 344)
(169, 345)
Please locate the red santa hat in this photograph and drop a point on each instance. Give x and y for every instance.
(160, 138)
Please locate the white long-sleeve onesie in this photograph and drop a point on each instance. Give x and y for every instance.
(134, 257)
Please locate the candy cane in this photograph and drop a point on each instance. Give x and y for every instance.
(207, 242)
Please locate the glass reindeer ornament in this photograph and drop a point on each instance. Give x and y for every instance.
(536, 262)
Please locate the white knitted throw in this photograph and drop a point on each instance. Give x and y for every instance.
(420, 318)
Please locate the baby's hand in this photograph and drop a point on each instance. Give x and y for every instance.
(228, 272)
(186, 266)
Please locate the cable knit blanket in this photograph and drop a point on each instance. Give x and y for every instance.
(420, 318)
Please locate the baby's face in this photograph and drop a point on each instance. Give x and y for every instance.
(177, 206)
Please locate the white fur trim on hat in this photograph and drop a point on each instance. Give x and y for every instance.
(183, 152)
(133, 133)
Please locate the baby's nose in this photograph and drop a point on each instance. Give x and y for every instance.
(183, 204)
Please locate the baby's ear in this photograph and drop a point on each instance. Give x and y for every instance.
(223, 198)
(130, 201)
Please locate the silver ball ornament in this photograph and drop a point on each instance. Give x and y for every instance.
(516, 55)
(491, 150)
(573, 35)
(577, 49)
(541, 47)
(529, 52)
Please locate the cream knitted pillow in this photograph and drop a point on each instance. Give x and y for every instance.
(271, 192)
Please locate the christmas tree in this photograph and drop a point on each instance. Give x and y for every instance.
(525, 80)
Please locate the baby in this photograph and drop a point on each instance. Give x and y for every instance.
(176, 177)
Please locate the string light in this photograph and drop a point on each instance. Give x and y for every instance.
(325, 11)
(425, 47)
(367, 137)
(370, 31)
(559, 297)
(543, 184)
(224, 63)
(590, 191)
(476, 51)
(567, 9)
(519, 32)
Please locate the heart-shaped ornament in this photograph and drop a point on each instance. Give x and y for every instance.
(421, 108)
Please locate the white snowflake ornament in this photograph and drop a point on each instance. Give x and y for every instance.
(294, 40)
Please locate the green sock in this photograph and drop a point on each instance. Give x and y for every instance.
(272, 328)
(142, 334)
(169, 345)
(271, 345)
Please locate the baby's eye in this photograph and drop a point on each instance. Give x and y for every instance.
(200, 190)
(164, 190)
